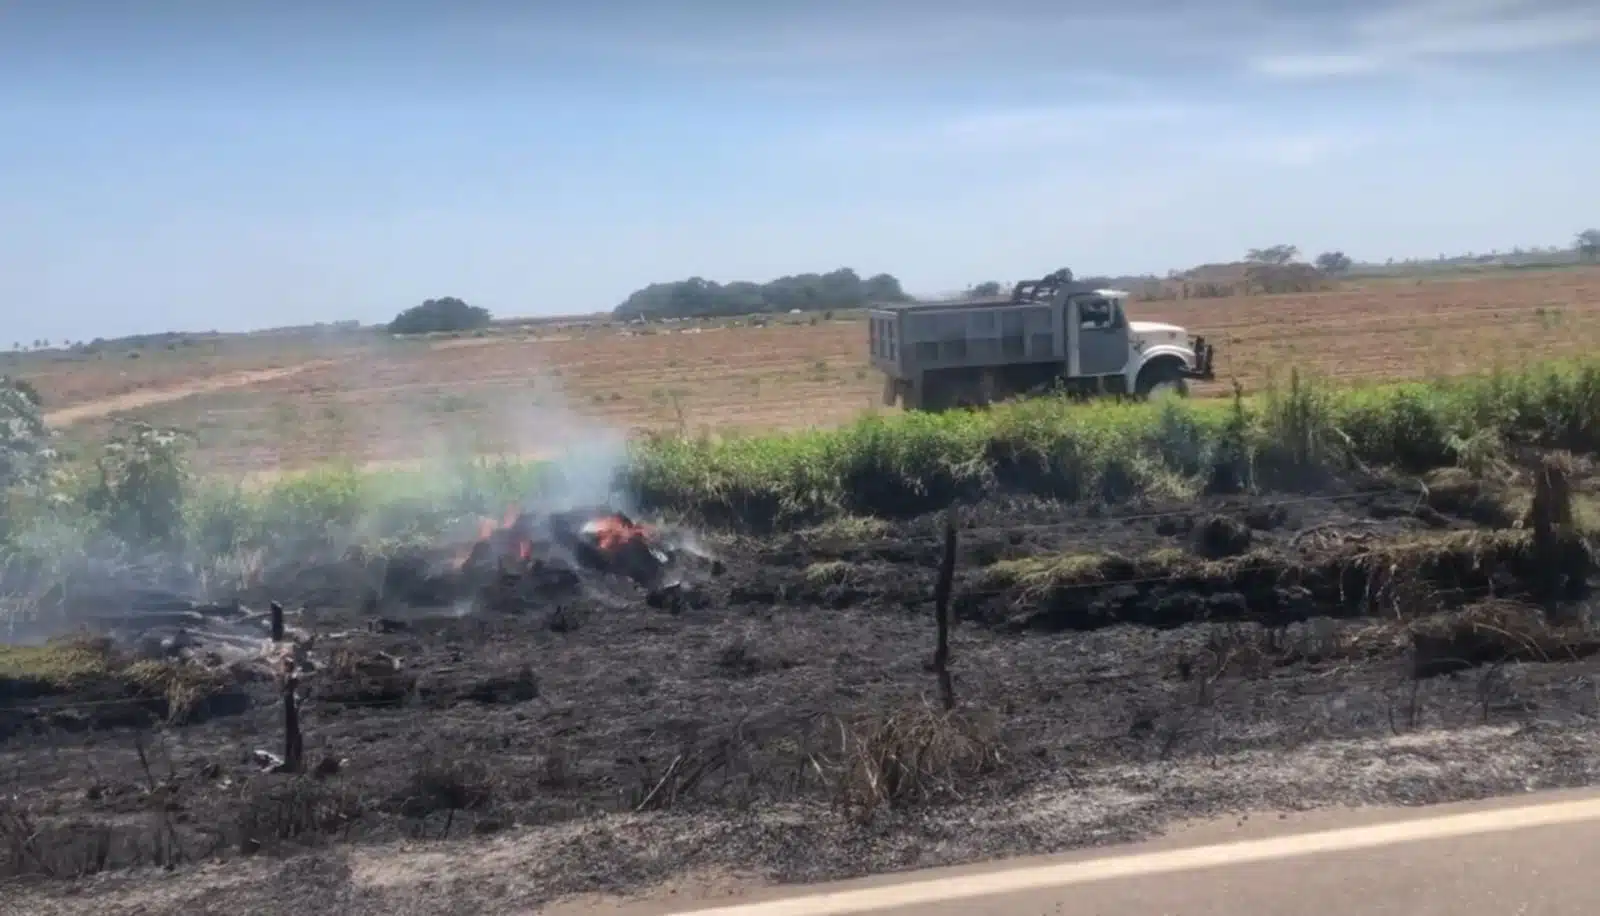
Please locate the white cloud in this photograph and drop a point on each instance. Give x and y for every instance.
(1042, 125)
(1098, 40)
(1294, 66)
(1045, 129)
(1114, 44)
(1415, 37)
(1298, 150)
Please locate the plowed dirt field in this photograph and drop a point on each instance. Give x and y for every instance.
(505, 391)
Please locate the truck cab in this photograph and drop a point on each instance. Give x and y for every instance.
(1049, 334)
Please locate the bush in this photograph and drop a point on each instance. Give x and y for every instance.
(25, 452)
(436, 315)
(24, 439)
(1334, 262)
(141, 484)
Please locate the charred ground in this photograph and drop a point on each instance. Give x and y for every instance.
(790, 680)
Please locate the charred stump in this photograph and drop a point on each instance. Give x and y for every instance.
(1560, 560)
(941, 609)
(293, 742)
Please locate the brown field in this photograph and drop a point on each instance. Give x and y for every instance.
(259, 404)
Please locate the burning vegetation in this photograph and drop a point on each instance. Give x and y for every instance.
(594, 539)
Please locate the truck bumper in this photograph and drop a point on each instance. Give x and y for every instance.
(1204, 354)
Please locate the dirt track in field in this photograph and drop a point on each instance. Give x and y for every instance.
(516, 392)
(152, 396)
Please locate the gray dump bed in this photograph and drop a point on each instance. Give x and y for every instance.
(907, 339)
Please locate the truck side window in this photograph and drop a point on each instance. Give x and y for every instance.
(1094, 314)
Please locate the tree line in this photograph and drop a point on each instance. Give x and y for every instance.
(697, 296)
(1274, 268)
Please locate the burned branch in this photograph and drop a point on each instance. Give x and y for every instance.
(293, 742)
(941, 609)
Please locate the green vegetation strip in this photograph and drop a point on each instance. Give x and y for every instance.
(1110, 451)
(140, 493)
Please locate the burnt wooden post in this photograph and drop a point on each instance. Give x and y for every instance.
(941, 609)
(277, 621)
(293, 745)
(1551, 520)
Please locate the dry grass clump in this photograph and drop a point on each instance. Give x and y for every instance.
(915, 755)
(58, 667)
(275, 810)
(88, 663)
(1035, 578)
(184, 688)
(442, 779)
(364, 679)
(31, 847)
(1493, 632)
(1487, 500)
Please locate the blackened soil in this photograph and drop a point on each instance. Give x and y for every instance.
(577, 696)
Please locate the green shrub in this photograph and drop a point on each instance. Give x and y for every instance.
(24, 438)
(440, 315)
(141, 482)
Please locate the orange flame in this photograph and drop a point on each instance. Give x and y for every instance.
(614, 532)
(611, 533)
(488, 533)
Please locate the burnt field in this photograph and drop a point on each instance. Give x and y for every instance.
(774, 697)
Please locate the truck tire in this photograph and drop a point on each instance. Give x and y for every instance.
(935, 395)
(1163, 377)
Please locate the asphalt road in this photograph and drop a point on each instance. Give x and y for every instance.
(1536, 855)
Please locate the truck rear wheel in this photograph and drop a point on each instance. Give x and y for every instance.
(1163, 378)
(938, 394)
(953, 390)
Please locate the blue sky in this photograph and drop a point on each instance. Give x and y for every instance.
(194, 165)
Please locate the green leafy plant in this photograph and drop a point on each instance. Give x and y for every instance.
(140, 488)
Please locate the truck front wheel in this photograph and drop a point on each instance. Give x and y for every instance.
(1161, 378)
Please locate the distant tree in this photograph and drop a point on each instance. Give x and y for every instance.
(985, 290)
(697, 296)
(447, 314)
(1278, 279)
(1277, 254)
(1333, 262)
(1588, 244)
(883, 288)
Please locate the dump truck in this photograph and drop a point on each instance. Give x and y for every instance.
(1053, 333)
